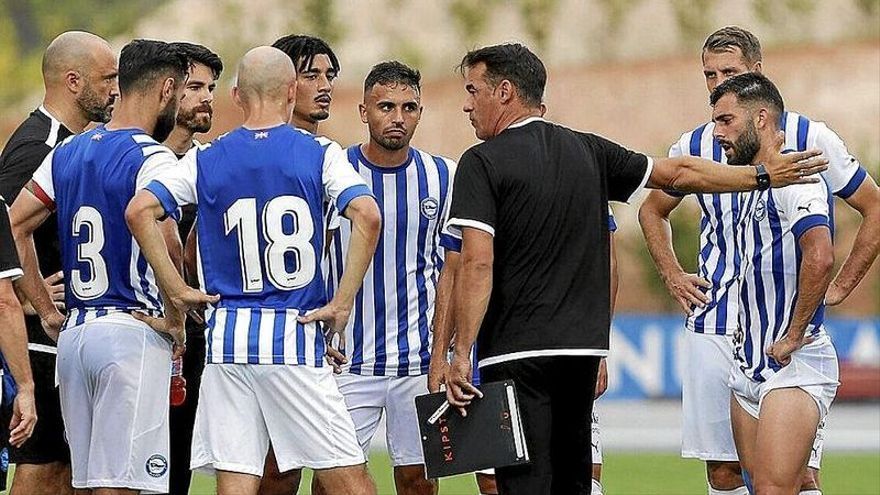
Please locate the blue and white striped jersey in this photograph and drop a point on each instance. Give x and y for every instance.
(388, 333)
(718, 261)
(768, 235)
(260, 197)
(90, 178)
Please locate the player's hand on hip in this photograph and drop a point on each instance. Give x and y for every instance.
(52, 324)
(459, 389)
(55, 286)
(687, 289)
(782, 350)
(24, 417)
(187, 299)
(794, 168)
(172, 325)
(437, 371)
(332, 319)
(601, 379)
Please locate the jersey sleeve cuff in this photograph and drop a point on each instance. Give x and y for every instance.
(166, 199)
(455, 225)
(612, 224)
(808, 222)
(450, 243)
(853, 185)
(648, 169)
(11, 274)
(346, 196)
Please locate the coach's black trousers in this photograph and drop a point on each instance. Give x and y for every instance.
(555, 395)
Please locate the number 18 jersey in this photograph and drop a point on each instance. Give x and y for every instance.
(260, 197)
(90, 178)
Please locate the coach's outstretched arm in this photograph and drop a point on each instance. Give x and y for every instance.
(691, 174)
(366, 224)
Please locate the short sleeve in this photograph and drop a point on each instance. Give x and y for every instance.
(341, 183)
(449, 240)
(172, 181)
(844, 174)
(45, 190)
(804, 205)
(612, 223)
(10, 268)
(475, 196)
(627, 172)
(675, 151)
(19, 165)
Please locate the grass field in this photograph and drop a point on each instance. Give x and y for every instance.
(642, 473)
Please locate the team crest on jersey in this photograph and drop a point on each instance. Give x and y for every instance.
(429, 208)
(760, 210)
(157, 466)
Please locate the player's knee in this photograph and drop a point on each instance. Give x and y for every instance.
(411, 480)
(810, 481)
(724, 475)
(486, 484)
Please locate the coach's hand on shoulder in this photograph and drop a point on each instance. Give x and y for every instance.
(459, 389)
(782, 350)
(794, 168)
(686, 288)
(24, 416)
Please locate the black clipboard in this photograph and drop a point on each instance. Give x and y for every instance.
(490, 436)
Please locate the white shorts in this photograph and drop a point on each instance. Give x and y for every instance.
(706, 433)
(813, 369)
(298, 409)
(114, 373)
(368, 396)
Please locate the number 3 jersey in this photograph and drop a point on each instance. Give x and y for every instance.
(261, 197)
(89, 179)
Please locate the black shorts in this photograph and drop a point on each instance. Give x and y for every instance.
(47, 444)
(555, 395)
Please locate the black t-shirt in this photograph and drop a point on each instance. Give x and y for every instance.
(542, 191)
(22, 155)
(10, 268)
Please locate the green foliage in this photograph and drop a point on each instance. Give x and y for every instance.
(26, 27)
(537, 16)
(694, 19)
(471, 18)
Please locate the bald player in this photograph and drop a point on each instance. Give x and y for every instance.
(260, 191)
(79, 74)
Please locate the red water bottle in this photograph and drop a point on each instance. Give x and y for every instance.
(178, 383)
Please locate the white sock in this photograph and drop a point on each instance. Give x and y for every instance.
(742, 490)
(810, 492)
(597, 488)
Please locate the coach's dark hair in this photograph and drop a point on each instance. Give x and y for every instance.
(142, 62)
(198, 54)
(514, 62)
(750, 88)
(393, 72)
(734, 37)
(302, 50)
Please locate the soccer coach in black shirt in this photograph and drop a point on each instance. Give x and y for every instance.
(533, 281)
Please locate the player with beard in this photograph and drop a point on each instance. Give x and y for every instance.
(709, 297)
(785, 374)
(193, 116)
(79, 75)
(113, 370)
(316, 70)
